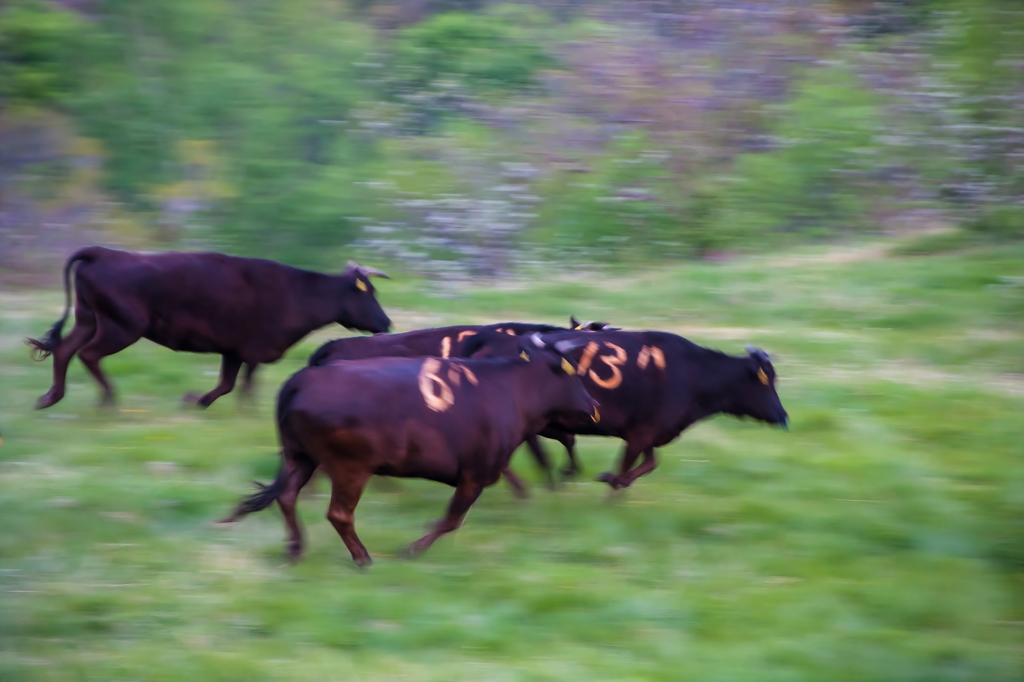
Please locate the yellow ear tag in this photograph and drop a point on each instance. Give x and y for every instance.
(762, 376)
(524, 356)
(361, 284)
(567, 366)
(577, 327)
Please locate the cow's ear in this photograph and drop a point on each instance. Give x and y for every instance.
(758, 354)
(574, 323)
(758, 371)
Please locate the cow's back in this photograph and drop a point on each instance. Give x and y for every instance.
(439, 341)
(201, 302)
(412, 344)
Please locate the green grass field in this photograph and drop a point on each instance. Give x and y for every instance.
(882, 538)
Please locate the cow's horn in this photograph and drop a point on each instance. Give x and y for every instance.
(568, 345)
(537, 341)
(364, 270)
(375, 272)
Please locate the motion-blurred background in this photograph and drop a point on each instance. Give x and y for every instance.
(841, 182)
(461, 136)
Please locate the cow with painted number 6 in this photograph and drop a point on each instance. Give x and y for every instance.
(447, 342)
(448, 420)
(652, 386)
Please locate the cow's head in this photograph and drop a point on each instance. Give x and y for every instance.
(756, 395)
(359, 307)
(576, 325)
(561, 382)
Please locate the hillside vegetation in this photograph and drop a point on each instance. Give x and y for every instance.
(464, 138)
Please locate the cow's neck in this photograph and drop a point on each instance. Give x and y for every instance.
(537, 400)
(717, 377)
(319, 301)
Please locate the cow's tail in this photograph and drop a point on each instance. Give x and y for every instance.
(266, 495)
(44, 347)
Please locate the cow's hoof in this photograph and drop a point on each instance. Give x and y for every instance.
(606, 477)
(294, 552)
(363, 562)
(46, 400)
(106, 402)
(415, 549)
(190, 398)
(570, 473)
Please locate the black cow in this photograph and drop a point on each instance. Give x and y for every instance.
(248, 310)
(652, 386)
(447, 342)
(452, 421)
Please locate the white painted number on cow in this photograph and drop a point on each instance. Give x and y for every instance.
(613, 362)
(616, 359)
(648, 353)
(437, 394)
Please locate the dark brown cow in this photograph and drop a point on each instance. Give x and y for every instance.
(652, 386)
(448, 342)
(248, 310)
(452, 421)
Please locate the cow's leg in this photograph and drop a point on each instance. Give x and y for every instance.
(299, 470)
(541, 457)
(569, 441)
(111, 337)
(629, 455)
(83, 331)
(247, 378)
(466, 493)
(229, 366)
(346, 489)
(649, 464)
(518, 487)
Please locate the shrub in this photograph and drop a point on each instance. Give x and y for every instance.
(36, 44)
(483, 50)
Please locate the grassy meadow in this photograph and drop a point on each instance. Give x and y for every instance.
(882, 538)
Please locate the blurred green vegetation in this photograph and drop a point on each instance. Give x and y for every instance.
(880, 539)
(319, 119)
(485, 51)
(37, 46)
